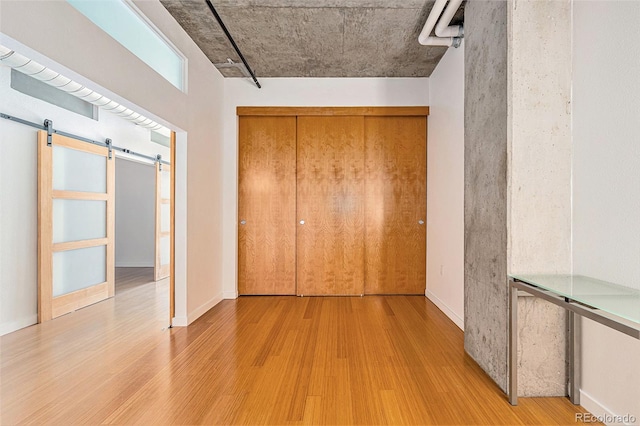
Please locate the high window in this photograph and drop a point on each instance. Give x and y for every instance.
(126, 24)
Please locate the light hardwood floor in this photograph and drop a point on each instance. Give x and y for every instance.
(255, 360)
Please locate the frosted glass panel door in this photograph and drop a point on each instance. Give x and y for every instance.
(75, 225)
(163, 221)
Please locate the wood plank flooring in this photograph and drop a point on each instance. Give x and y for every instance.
(255, 360)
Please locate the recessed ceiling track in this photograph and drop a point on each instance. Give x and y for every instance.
(52, 78)
(233, 43)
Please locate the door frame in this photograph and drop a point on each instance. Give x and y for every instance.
(172, 245)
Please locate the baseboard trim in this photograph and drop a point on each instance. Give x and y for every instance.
(179, 322)
(12, 326)
(202, 309)
(603, 414)
(229, 294)
(445, 309)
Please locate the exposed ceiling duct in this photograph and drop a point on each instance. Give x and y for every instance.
(445, 34)
(40, 72)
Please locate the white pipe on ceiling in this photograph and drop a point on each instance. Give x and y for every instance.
(40, 72)
(446, 35)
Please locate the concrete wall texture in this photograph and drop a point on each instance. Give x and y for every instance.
(517, 183)
(485, 187)
(539, 176)
(530, 65)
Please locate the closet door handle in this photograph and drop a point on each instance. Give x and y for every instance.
(243, 222)
(421, 222)
(302, 222)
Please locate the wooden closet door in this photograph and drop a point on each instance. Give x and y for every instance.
(396, 178)
(330, 249)
(267, 205)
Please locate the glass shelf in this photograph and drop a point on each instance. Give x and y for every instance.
(615, 299)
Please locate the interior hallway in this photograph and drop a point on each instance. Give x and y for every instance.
(254, 360)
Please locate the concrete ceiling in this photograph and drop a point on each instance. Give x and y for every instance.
(314, 38)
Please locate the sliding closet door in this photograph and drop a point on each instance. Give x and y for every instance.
(396, 158)
(163, 221)
(267, 205)
(75, 225)
(330, 249)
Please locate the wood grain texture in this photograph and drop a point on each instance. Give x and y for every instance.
(267, 205)
(396, 200)
(332, 111)
(330, 188)
(254, 361)
(79, 145)
(45, 228)
(111, 227)
(79, 299)
(48, 306)
(76, 195)
(161, 270)
(75, 245)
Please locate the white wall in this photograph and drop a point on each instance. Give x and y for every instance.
(606, 189)
(135, 214)
(445, 186)
(18, 190)
(88, 55)
(296, 92)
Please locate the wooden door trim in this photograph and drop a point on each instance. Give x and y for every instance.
(333, 111)
(172, 224)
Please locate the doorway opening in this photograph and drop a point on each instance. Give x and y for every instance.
(143, 227)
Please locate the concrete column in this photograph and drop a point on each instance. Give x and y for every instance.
(485, 194)
(517, 181)
(539, 180)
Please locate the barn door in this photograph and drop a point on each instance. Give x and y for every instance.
(163, 221)
(75, 225)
